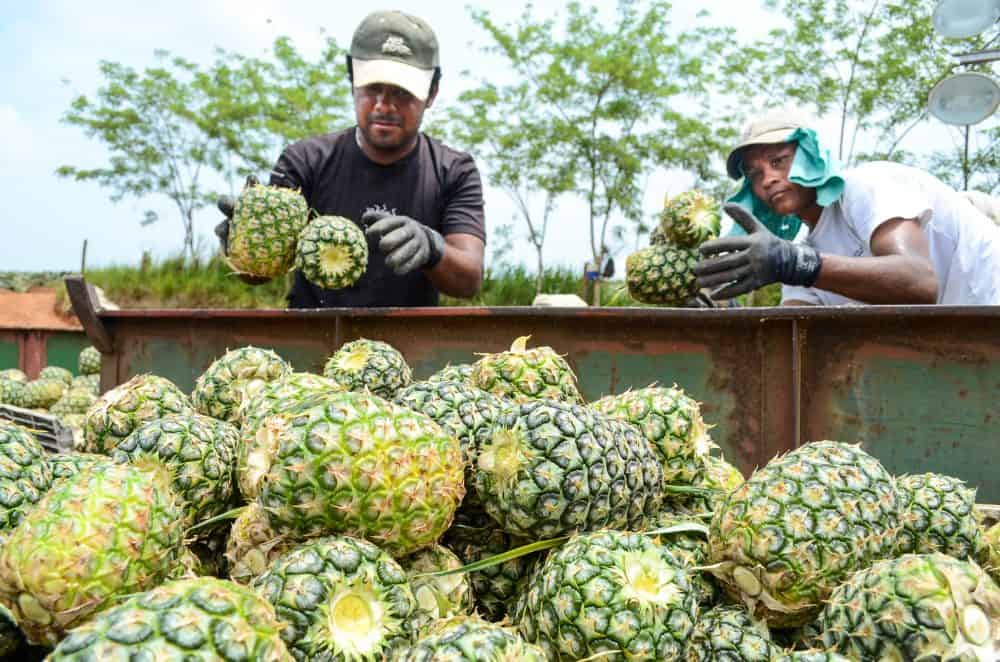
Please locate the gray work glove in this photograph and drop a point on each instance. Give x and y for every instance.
(226, 204)
(407, 244)
(752, 261)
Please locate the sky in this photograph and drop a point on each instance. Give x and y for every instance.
(49, 53)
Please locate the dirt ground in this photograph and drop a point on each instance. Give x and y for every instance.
(36, 309)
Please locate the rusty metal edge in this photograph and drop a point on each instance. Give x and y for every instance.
(701, 314)
(87, 308)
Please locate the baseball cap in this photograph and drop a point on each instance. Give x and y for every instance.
(394, 48)
(769, 128)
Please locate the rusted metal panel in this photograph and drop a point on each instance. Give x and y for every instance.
(919, 392)
(735, 365)
(10, 352)
(914, 384)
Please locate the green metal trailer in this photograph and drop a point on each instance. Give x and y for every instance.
(915, 385)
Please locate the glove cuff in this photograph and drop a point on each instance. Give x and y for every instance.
(435, 243)
(807, 266)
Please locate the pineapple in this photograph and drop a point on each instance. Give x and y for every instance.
(280, 396)
(110, 530)
(74, 401)
(496, 586)
(662, 274)
(990, 554)
(464, 412)
(118, 413)
(332, 252)
(800, 526)
(235, 375)
(90, 383)
(55, 372)
(691, 549)
(354, 463)
(186, 619)
(728, 633)
(253, 545)
(437, 596)
(523, 374)
(470, 639)
(42, 393)
(810, 656)
(671, 421)
(201, 455)
(369, 364)
(915, 607)
(937, 514)
(460, 372)
(716, 475)
(25, 474)
(89, 361)
(264, 229)
(14, 375)
(64, 465)
(12, 392)
(549, 468)
(608, 593)
(690, 219)
(342, 599)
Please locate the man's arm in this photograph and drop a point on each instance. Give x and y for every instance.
(899, 272)
(460, 271)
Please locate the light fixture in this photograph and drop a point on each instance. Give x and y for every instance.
(958, 19)
(965, 98)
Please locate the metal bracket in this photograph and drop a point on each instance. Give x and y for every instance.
(87, 308)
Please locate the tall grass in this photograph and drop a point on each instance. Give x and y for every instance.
(177, 283)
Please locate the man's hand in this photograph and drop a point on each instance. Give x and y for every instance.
(408, 245)
(226, 205)
(755, 260)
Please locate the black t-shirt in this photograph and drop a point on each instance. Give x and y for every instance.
(433, 184)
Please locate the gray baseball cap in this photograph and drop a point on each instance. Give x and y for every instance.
(394, 48)
(769, 128)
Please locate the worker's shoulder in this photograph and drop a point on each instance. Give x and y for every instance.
(322, 144)
(448, 157)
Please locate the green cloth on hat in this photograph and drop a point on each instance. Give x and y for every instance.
(813, 167)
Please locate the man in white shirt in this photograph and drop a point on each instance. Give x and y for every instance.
(880, 233)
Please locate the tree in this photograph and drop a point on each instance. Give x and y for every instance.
(609, 100)
(974, 161)
(501, 127)
(869, 63)
(258, 106)
(149, 123)
(170, 127)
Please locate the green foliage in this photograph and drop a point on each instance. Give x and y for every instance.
(258, 106)
(979, 168)
(597, 104)
(870, 63)
(150, 123)
(170, 127)
(177, 282)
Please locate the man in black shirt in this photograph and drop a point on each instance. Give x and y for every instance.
(419, 201)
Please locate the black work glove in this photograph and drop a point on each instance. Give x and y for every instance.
(755, 260)
(226, 204)
(408, 245)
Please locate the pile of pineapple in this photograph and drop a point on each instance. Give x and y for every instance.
(56, 391)
(663, 272)
(270, 233)
(486, 513)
